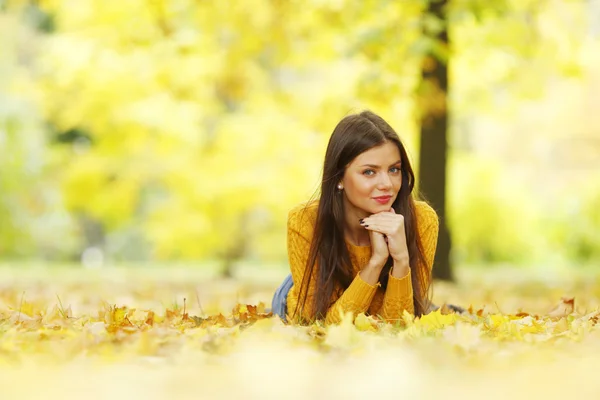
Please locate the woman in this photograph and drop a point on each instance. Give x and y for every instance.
(365, 245)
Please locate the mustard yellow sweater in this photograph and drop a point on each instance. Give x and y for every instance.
(359, 297)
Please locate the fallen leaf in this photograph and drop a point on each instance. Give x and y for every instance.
(365, 323)
(565, 307)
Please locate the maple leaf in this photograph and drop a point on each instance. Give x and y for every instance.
(198, 320)
(171, 314)
(118, 315)
(561, 326)
(565, 307)
(221, 320)
(150, 318)
(494, 321)
(365, 323)
(436, 320)
(27, 309)
(247, 313)
(344, 334)
(445, 310)
(252, 310)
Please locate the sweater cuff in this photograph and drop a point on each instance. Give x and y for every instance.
(399, 287)
(360, 292)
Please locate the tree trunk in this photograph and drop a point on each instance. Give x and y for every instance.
(434, 144)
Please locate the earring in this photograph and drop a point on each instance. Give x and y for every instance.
(340, 186)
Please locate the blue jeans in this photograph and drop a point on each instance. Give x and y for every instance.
(279, 302)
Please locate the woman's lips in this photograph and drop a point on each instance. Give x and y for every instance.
(382, 199)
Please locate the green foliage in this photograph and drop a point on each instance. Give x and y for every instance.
(491, 216)
(31, 212)
(574, 225)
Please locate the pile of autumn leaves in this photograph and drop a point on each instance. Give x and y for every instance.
(182, 352)
(113, 323)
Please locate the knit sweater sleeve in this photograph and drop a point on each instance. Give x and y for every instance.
(399, 292)
(355, 299)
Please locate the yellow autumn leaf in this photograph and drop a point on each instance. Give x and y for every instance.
(365, 323)
(435, 320)
(26, 308)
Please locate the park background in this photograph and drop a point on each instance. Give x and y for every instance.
(150, 149)
(145, 132)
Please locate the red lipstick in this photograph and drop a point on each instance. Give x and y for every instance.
(382, 199)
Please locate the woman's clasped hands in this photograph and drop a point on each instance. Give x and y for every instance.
(388, 238)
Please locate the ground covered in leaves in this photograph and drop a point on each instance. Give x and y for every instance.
(178, 333)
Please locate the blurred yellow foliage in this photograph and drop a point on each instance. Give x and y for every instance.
(183, 130)
(203, 125)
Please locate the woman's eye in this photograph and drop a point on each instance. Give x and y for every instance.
(368, 172)
(394, 170)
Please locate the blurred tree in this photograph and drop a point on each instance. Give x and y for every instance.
(184, 113)
(434, 126)
(26, 189)
(523, 57)
(182, 130)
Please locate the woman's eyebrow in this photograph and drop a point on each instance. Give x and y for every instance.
(378, 166)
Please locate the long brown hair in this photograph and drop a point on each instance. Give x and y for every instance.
(352, 136)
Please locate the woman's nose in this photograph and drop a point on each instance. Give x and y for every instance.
(385, 182)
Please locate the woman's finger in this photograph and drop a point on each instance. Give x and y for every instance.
(384, 217)
(386, 230)
(391, 223)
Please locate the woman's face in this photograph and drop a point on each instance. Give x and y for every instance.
(372, 180)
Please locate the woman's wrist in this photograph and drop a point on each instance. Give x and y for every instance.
(375, 265)
(370, 273)
(401, 267)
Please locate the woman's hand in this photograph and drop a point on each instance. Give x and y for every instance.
(379, 250)
(379, 255)
(391, 225)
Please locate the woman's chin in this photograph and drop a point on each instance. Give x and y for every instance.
(382, 209)
(379, 208)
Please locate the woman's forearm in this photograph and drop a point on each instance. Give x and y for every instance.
(370, 274)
